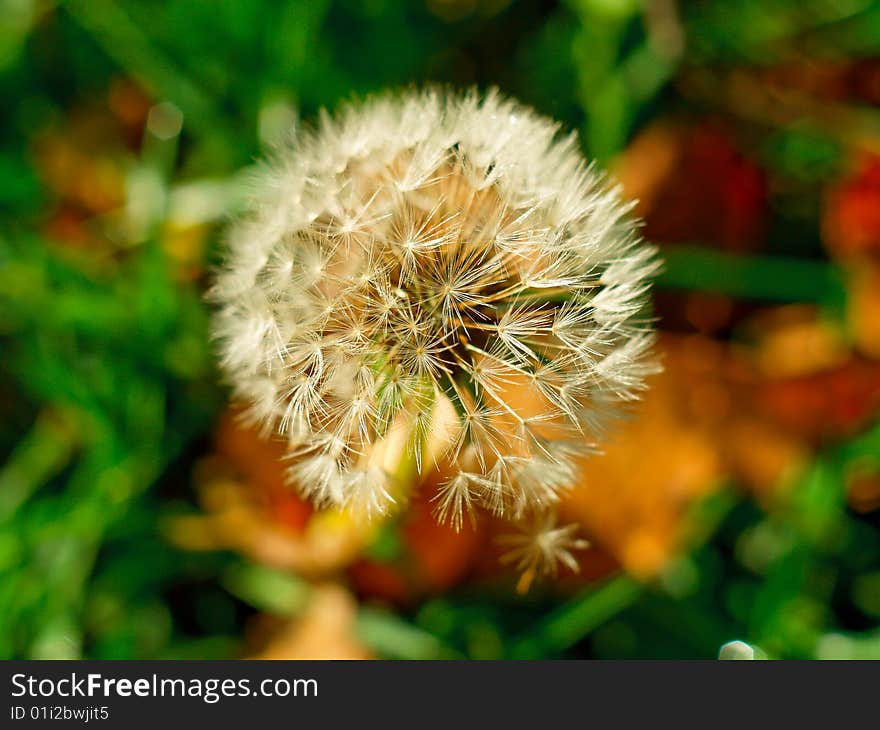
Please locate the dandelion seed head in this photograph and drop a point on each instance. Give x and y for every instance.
(426, 248)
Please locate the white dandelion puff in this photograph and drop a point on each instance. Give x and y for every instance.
(428, 248)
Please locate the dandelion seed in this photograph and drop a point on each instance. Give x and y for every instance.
(455, 498)
(541, 547)
(424, 250)
(366, 492)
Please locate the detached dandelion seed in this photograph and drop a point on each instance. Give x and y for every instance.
(541, 547)
(428, 252)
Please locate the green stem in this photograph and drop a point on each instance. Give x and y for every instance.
(44, 452)
(768, 278)
(566, 626)
(123, 41)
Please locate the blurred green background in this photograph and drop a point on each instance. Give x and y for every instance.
(746, 505)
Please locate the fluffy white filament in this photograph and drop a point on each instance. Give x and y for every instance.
(431, 253)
